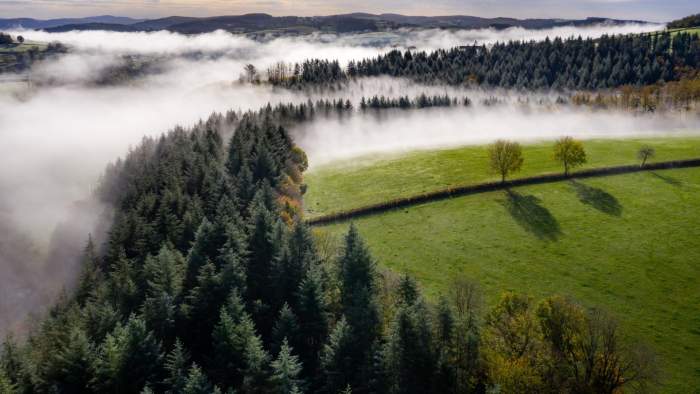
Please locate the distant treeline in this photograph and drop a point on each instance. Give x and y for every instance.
(674, 95)
(688, 21)
(574, 64)
(404, 102)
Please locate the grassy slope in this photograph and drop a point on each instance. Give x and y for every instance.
(629, 243)
(691, 30)
(349, 185)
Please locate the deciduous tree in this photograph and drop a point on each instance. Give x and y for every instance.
(506, 158)
(570, 153)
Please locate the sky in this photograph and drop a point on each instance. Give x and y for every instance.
(650, 10)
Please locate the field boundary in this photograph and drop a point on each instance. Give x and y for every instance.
(494, 186)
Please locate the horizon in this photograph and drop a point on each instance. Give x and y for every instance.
(22, 16)
(644, 10)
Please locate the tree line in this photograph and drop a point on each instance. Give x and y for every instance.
(688, 21)
(404, 102)
(506, 157)
(559, 64)
(209, 282)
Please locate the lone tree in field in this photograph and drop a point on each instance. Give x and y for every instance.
(645, 153)
(570, 153)
(506, 157)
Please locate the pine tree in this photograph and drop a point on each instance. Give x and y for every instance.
(412, 362)
(91, 273)
(128, 346)
(358, 289)
(286, 370)
(337, 359)
(239, 357)
(71, 370)
(164, 275)
(6, 386)
(201, 307)
(264, 249)
(286, 329)
(408, 290)
(176, 366)
(313, 318)
(301, 257)
(197, 383)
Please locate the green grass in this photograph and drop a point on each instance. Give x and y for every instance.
(24, 47)
(691, 30)
(629, 243)
(348, 185)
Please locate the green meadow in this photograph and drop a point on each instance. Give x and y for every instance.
(347, 184)
(627, 243)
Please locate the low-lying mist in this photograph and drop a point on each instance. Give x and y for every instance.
(398, 130)
(57, 137)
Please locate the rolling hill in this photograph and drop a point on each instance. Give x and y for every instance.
(374, 179)
(251, 23)
(626, 243)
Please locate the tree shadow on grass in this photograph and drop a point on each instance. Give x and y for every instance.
(668, 179)
(531, 216)
(597, 198)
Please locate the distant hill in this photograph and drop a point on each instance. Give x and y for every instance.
(252, 23)
(30, 23)
(91, 26)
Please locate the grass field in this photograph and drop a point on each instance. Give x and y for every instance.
(690, 30)
(628, 243)
(372, 180)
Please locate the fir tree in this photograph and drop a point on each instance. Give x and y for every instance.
(197, 383)
(286, 370)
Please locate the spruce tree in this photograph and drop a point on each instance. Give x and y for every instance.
(358, 288)
(129, 345)
(411, 358)
(286, 371)
(286, 329)
(176, 367)
(337, 362)
(197, 383)
(91, 273)
(313, 318)
(164, 275)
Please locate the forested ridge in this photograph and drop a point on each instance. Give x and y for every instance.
(209, 281)
(572, 64)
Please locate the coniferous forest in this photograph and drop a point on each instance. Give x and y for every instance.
(210, 282)
(559, 64)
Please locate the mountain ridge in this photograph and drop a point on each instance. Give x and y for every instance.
(261, 22)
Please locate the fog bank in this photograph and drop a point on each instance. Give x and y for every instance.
(398, 130)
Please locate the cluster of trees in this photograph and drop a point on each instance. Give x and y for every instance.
(688, 21)
(5, 39)
(404, 102)
(17, 61)
(209, 282)
(573, 63)
(675, 95)
(506, 157)
(312, 71)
